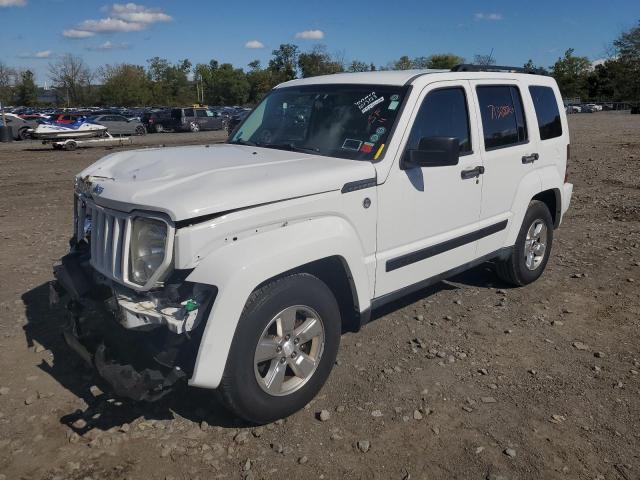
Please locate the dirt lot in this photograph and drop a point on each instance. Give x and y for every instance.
(468, 379)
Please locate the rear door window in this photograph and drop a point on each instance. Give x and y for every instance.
(547, 112)
(503, 120)
(201, 113)
(188, 112)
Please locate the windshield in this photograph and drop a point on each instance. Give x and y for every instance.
(347, 121)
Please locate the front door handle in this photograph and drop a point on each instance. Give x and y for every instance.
(530, 158)
(472, 173)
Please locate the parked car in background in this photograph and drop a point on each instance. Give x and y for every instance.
(120, 125)
(588, 109)
(21, 128)
(573, 109)
(188, 119)
(154, 121)
(196, 119)
(236, 120)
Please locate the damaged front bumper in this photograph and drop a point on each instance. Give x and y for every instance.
(142, 348)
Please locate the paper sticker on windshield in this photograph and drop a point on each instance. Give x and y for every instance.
(393, 104)
(367, 103)
(374, 138)
(351, 144)
(380, 130)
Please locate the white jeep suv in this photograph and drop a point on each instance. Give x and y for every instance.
(237, 266)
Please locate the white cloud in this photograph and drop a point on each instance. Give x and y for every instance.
(311, 35)
(110, 46)
(132, 12)
(12, 3)
(254, 44)
(110, 25)
(121, 17)
(73, 33)
(37, 55)
(489, 16)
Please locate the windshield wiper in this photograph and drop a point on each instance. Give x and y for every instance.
(289, 146)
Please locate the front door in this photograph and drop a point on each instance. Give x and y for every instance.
(428, 217)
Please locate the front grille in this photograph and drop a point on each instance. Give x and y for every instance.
(106, 231)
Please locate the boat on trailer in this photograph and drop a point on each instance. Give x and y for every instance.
(81, 128)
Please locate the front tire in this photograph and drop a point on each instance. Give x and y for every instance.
(23, 134)
(532, 248)
(283, 349)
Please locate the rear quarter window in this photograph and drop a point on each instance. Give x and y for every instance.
(547, 112)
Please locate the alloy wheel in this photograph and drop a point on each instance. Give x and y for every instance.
(289, 350)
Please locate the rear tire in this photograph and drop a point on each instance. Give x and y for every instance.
(252, 387)
(194, 127)
(532, 248)
(140, 130)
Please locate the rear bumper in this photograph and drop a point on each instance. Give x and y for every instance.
(137, 364)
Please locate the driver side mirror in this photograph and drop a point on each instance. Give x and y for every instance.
(432, 152)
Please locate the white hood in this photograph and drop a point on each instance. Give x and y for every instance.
(188, 182)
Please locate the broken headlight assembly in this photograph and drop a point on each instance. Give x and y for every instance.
(147, 249)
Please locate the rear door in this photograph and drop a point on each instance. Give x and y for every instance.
(506, 146)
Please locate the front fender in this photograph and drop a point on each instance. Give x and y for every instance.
(237, 268)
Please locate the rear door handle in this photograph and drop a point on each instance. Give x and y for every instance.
(472, 173)
(530, 158)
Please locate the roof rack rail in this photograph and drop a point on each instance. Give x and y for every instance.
(467, 67)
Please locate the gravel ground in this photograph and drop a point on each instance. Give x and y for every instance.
(468, 379)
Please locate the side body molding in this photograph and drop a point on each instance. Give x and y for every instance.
(239, 267)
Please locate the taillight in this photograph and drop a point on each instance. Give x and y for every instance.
(566, 168)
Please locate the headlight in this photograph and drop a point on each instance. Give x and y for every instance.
(147, 248)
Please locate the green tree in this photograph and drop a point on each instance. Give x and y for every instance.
(403, 63)
(571, 73)
(284, 62)
(223, 84)
(357, 66)
(318, 62)
(26, 90)
(625, 68)
(261, 81)
(125, 84)
(444, 61)
(170, 83)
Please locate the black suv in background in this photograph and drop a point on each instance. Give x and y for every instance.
(155, 121)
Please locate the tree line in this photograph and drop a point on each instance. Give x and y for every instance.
(163, 83)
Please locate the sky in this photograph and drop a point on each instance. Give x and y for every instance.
(34, 32)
